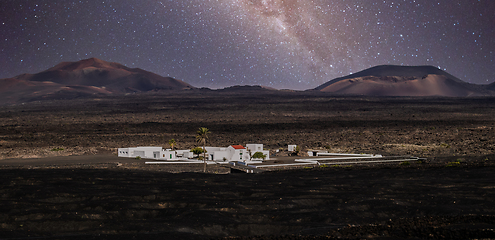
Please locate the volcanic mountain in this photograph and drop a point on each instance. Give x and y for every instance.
(84, 78)
(390, 80)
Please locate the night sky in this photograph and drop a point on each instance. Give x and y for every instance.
(296, 44)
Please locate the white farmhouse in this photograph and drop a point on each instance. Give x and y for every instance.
(237, 153)
(184, 153)
(168, 154)
(147, 152)
(217, 153)
(253, 148)
(231, 153)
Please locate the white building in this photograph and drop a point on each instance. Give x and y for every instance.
(147, 152)
(184, 153)
(231, 153)
(292, 148)
(237, 153)
(217, 153)
(253, 148)
(168, 154)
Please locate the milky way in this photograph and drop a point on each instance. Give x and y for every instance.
(280, 43)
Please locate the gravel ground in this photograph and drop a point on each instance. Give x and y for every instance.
(60, 179)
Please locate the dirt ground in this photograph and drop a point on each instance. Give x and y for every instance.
(46, 194)
(427, 127)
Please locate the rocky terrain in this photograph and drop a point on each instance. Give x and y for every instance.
(96, 195)
(424, 127)
(417, 201)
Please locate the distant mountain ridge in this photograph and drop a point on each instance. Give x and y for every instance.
(94, 77)
(392, 80)
(87, 77)
(113, 76)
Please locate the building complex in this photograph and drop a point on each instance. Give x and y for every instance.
(226, 154)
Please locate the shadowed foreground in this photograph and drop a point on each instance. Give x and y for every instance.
(79, 201)
(418, 201)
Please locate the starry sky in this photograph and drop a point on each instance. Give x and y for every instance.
(294, 44)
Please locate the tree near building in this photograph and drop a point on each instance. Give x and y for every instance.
(202, 137)
(197, 150)
(258, 155)
(172, 143)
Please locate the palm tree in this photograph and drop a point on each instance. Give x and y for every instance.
(201, 138)
(172, 143)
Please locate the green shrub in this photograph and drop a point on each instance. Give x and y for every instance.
(405, 163)
(57, 149)
(138, 158)
(297, 150)
(453, 164)
(323, 166)
(197, 150)
(258, 155)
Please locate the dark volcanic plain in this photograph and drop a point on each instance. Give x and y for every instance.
(451, 195)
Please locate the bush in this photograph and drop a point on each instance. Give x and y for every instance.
(453, 164)
(259, 155)
(138, 158)
(406, 163)
(297, 150)
(57, 149)
(197, 150)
